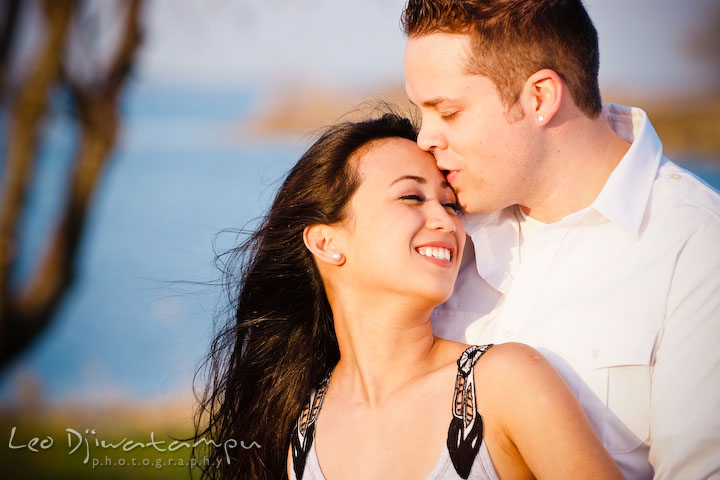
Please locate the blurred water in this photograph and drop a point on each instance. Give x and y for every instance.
(180, 175)
(708, 170)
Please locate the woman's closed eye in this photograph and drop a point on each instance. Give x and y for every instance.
(414, 198)
(453, 207)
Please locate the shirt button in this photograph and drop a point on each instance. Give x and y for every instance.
(594, 353)
(676, 176)
(508, 332)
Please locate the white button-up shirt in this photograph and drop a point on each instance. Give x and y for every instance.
(623, 297)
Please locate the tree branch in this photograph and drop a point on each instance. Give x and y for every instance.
(24, 119)
(8, 36)
(99, 121)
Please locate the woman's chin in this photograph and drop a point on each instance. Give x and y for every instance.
(434, 297)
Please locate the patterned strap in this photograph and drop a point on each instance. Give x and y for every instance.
(304, 432)
(464, 435)
(466, 427)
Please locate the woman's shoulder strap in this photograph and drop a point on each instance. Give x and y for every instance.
(466, 427)
(469, 358)
(304, 432)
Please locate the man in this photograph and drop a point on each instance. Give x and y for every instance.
(587, 243)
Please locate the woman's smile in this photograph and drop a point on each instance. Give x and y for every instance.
(437, 252)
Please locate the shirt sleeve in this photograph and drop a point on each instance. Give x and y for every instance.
(685, 398)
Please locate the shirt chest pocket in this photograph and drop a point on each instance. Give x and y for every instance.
(611, 359)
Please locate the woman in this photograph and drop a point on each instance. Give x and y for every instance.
(330, 359)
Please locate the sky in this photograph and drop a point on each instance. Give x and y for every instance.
(276, 43)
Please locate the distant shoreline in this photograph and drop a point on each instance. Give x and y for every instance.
(690, 126)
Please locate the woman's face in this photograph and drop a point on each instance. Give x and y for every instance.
(402, 233)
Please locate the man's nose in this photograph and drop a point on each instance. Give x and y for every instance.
(429, 139)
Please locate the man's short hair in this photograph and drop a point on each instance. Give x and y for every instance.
(512, 39)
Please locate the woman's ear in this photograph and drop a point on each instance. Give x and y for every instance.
(320, 240)
(544, 92)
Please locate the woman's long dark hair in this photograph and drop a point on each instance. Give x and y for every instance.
(280, 340)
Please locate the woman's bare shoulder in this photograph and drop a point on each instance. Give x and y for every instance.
(525, 399)
(518, 368)
(499, 360)
(512, 351)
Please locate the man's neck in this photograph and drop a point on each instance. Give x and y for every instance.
(581, 155)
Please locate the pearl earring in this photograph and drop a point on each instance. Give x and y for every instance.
(336, 256)
(541, 118)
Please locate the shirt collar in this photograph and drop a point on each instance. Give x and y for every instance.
(622, 200)
(496, 240)
(624, 197)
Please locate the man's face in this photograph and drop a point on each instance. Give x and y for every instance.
(486, 150)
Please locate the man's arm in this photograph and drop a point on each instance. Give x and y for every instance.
(685, 402)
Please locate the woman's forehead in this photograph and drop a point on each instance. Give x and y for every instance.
(384, 161)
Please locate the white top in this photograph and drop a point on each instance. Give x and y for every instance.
(464, 456)
(482, 468)
(623, 297)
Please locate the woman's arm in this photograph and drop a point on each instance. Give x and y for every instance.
(535, 421)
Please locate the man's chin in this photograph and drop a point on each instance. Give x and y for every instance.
(472, 204)
(476, 209)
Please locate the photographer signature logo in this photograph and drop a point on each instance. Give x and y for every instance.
(90, 442)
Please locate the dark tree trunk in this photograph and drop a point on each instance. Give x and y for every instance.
(27, 310)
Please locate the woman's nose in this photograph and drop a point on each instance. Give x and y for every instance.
(440, 218)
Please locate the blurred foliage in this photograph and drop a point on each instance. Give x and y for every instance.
(114, 426)
(690, 128)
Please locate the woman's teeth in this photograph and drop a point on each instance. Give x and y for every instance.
(435, 252)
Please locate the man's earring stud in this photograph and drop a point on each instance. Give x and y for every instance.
(541, 118)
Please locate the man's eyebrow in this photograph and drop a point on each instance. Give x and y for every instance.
(420, 180)
(433, 102)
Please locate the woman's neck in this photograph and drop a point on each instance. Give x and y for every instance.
(384, 344)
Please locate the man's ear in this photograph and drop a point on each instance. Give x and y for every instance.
(543, 93)
(320, 240)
